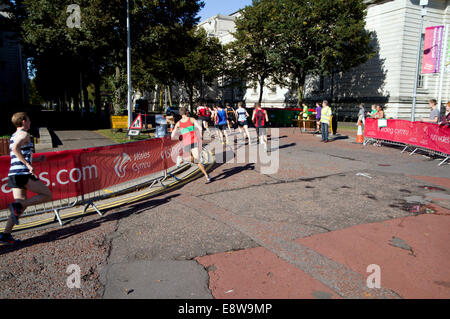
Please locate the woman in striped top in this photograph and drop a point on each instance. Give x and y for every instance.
(22, 176)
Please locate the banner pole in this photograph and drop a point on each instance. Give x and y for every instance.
(413, 109)
(442, 66)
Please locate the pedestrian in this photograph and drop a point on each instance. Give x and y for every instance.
(372, 112)
(446, 118)
(260, 119)
(22, 176)
(190, 132)
(242, 115)
(361, 115)
(325, 120)
(434, 112)
(318, 115)
(221, 119)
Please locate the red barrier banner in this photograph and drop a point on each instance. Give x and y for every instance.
(427, 135)
(76, 172)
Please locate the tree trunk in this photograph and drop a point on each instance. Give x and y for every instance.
(301, 87)
(98, 99)
(332, 88)
(117, 98)
(261, 88)
(86, 99)
(76, 102)
(190, 92)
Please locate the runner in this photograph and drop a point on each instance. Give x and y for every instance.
(204, 116)
(242, 115)
(221, 119)
(214, 120)
(231, 117)
(260, 118)
(190, 130)
(22, 176)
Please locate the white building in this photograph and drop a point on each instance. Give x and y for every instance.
(387, 79)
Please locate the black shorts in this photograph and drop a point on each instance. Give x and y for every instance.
(261, 131)
(222, 127)
(19, 181)
(203, 118)
(189, 147)
(242, 123)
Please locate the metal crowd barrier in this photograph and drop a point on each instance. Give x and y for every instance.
(408, 146)
(89, 199)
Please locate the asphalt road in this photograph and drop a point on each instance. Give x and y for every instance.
(308, 229)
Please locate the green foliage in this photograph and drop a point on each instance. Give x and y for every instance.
(253, 55)
(203, 62)
(291, 39)
(68, 60)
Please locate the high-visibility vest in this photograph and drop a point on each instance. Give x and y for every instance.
(325, 116)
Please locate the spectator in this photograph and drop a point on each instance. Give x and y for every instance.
(380, 113)
(446, 119)
(325, 120)
(304, 114)
(434, 113)
(373, 111)
(318, 115)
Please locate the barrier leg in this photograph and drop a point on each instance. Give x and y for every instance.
(413, 151)
(91, 203)
(443, 161)
(57, 216)
(406, 147)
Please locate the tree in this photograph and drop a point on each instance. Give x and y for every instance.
(202, 64)
(320, 37)
(254, 55)
(95, 53)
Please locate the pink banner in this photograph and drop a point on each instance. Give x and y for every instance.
(76, 172)
(427, 135)
(432, 49)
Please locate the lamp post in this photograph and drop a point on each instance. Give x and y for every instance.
(130, 115)
(423, 13)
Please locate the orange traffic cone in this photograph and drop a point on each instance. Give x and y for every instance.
(359, 136)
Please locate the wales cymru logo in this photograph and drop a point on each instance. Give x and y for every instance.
(120, 164)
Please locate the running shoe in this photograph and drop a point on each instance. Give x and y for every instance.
(15, 209)
(7, 239)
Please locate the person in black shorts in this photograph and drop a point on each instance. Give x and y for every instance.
(22, 176)
(221, 118)
(231, 117)
(260, 119)
(242, 115)
(204, 116)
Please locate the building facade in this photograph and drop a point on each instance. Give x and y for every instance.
(387, 79)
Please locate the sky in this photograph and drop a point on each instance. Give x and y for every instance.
(213, 7)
